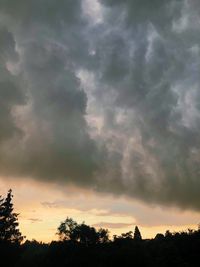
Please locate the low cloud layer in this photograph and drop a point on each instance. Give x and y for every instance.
(112, 225)
(103, 95)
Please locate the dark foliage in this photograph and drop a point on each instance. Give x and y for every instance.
(9, 231)
(177, 249)
(81, 233)
(137, 235)
(10, 236)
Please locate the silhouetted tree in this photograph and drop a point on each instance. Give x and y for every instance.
(128, 235)
(137, 235)
(81, 233)
(103, 235)
(9, 231)
(168, 234)
(159, 237)
(86, 235)
(67, 230)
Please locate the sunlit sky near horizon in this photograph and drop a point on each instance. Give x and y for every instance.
(100, 114)
(43, 207)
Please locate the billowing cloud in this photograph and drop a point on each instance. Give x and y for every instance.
(10, 93)
(149, 67)
(55, 141)
(109, 101)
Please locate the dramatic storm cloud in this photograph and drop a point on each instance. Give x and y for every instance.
(54, 141)
(103, 95)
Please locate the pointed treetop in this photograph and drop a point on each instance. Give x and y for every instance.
(137, 234)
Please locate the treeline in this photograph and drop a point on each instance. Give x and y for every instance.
(83, 245)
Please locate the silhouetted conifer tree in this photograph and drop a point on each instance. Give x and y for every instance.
(9, 231)
(137, 235)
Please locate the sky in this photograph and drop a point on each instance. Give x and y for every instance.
(100, 114)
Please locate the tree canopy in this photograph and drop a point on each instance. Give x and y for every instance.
(82, 233)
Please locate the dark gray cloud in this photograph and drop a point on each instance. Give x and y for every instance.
(150, 76)
(10, 93)
(55, 141)
(109, 101)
